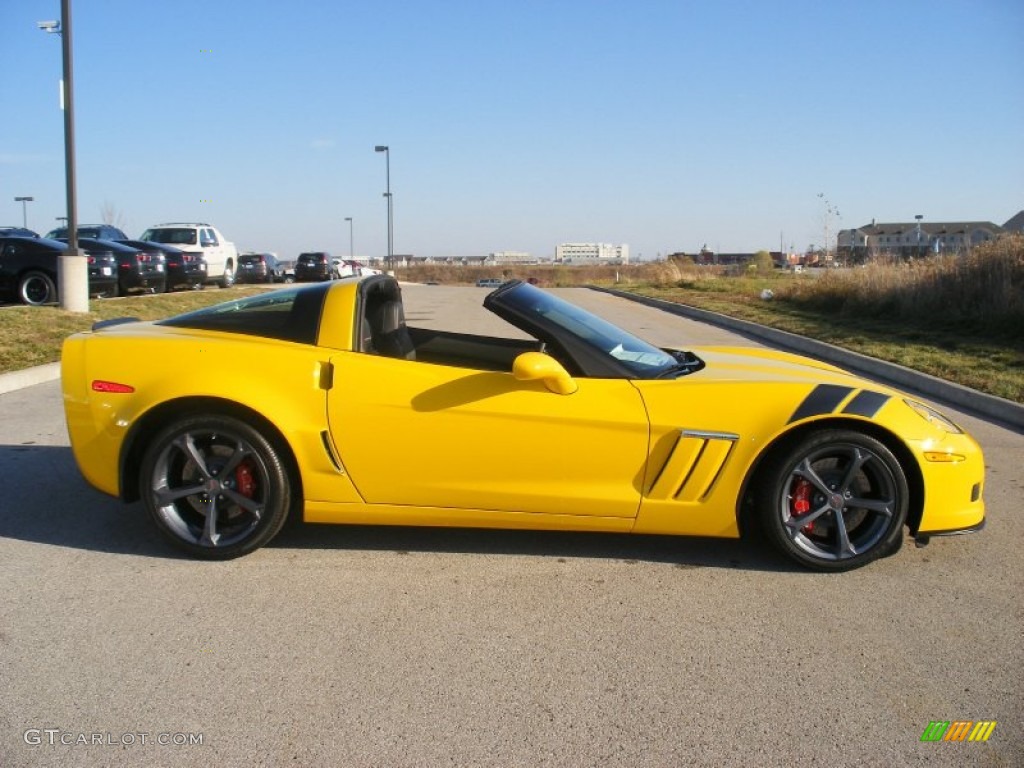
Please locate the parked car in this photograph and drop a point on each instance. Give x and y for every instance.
(351, 268)
(137, 269)
(314, 266)
(580, 426)
(141, 266)
(94, 231)
(29, 269)
(259, 268)
(183, 270)
(200, 239)
(489, 282)
(17, 232)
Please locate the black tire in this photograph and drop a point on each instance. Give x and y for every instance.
(833, 501)
(228, 278)
(221, 465)
(37, 288)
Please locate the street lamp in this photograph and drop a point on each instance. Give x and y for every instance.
(351, 248)
(24, 209)
(73, 271)
(391, 232)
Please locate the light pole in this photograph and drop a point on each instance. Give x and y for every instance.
(387, 158)
(73, 271)
(351, 240)
(24, 209)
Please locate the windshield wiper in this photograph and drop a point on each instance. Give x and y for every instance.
(686, 363)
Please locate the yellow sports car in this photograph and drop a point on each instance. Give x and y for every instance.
(320, 401)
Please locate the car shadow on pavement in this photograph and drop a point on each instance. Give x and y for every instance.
(46, 500)
(682, 552)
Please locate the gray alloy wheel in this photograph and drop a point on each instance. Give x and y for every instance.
(836, 500)
(37, 288)
(215, 486)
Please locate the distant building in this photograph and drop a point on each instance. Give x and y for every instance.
(512, 257)
(591, 253)
(1016, 224)
(913, 238)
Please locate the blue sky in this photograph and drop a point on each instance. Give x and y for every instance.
(517, 126)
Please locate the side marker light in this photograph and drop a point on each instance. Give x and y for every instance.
(112, 386)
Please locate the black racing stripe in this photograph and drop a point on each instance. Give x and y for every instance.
(823, 399)
(866, 404)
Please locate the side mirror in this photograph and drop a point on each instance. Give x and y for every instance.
(536, 366)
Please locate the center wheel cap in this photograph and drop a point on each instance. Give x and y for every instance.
(836, 501)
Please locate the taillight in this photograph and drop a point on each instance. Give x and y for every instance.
(90, 259)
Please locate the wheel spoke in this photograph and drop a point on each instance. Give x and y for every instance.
(882, 506)
(210, 535)
(805, 469)
(795, 523)
(859, 460)
(165, 496)
(187, 444)
(845, 548)
(253, 506)
(236, 458)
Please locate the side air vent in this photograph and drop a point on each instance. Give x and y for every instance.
(693, 465)
(325, 438)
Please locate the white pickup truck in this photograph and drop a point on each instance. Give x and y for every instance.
(199, 239)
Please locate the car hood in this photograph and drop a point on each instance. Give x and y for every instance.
(750, 364)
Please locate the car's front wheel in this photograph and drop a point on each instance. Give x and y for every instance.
(37, 288)
(215, 486)
(834, 500)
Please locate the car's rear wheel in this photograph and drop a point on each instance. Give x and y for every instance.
(833, 501)
(215, 486)
(37, 288)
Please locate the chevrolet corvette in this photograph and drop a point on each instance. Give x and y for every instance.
(320, 402)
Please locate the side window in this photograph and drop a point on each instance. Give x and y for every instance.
(208, 239)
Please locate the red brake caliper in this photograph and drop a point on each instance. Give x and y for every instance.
(800, 503)
(245, 483)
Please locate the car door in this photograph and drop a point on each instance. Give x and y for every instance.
(412, 433)
(213, 250)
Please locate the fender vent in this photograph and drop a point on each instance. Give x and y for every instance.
(329, 450)
(693, 465)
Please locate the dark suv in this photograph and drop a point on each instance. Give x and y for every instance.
(259, 268)
(313, 266)
(137, 268)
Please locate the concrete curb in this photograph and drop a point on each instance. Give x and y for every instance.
(29, 377)
(989, 407)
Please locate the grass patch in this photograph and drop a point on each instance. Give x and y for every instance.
(33, 335)
(938, 318)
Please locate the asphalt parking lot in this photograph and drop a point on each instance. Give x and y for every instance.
(372, 646)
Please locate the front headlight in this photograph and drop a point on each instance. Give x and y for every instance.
(934, 417)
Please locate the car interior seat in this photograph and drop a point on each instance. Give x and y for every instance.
(391, 335)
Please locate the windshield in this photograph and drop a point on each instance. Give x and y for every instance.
(171, 236)
(642, 359)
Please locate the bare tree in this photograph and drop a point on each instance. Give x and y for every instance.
(110, 214)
